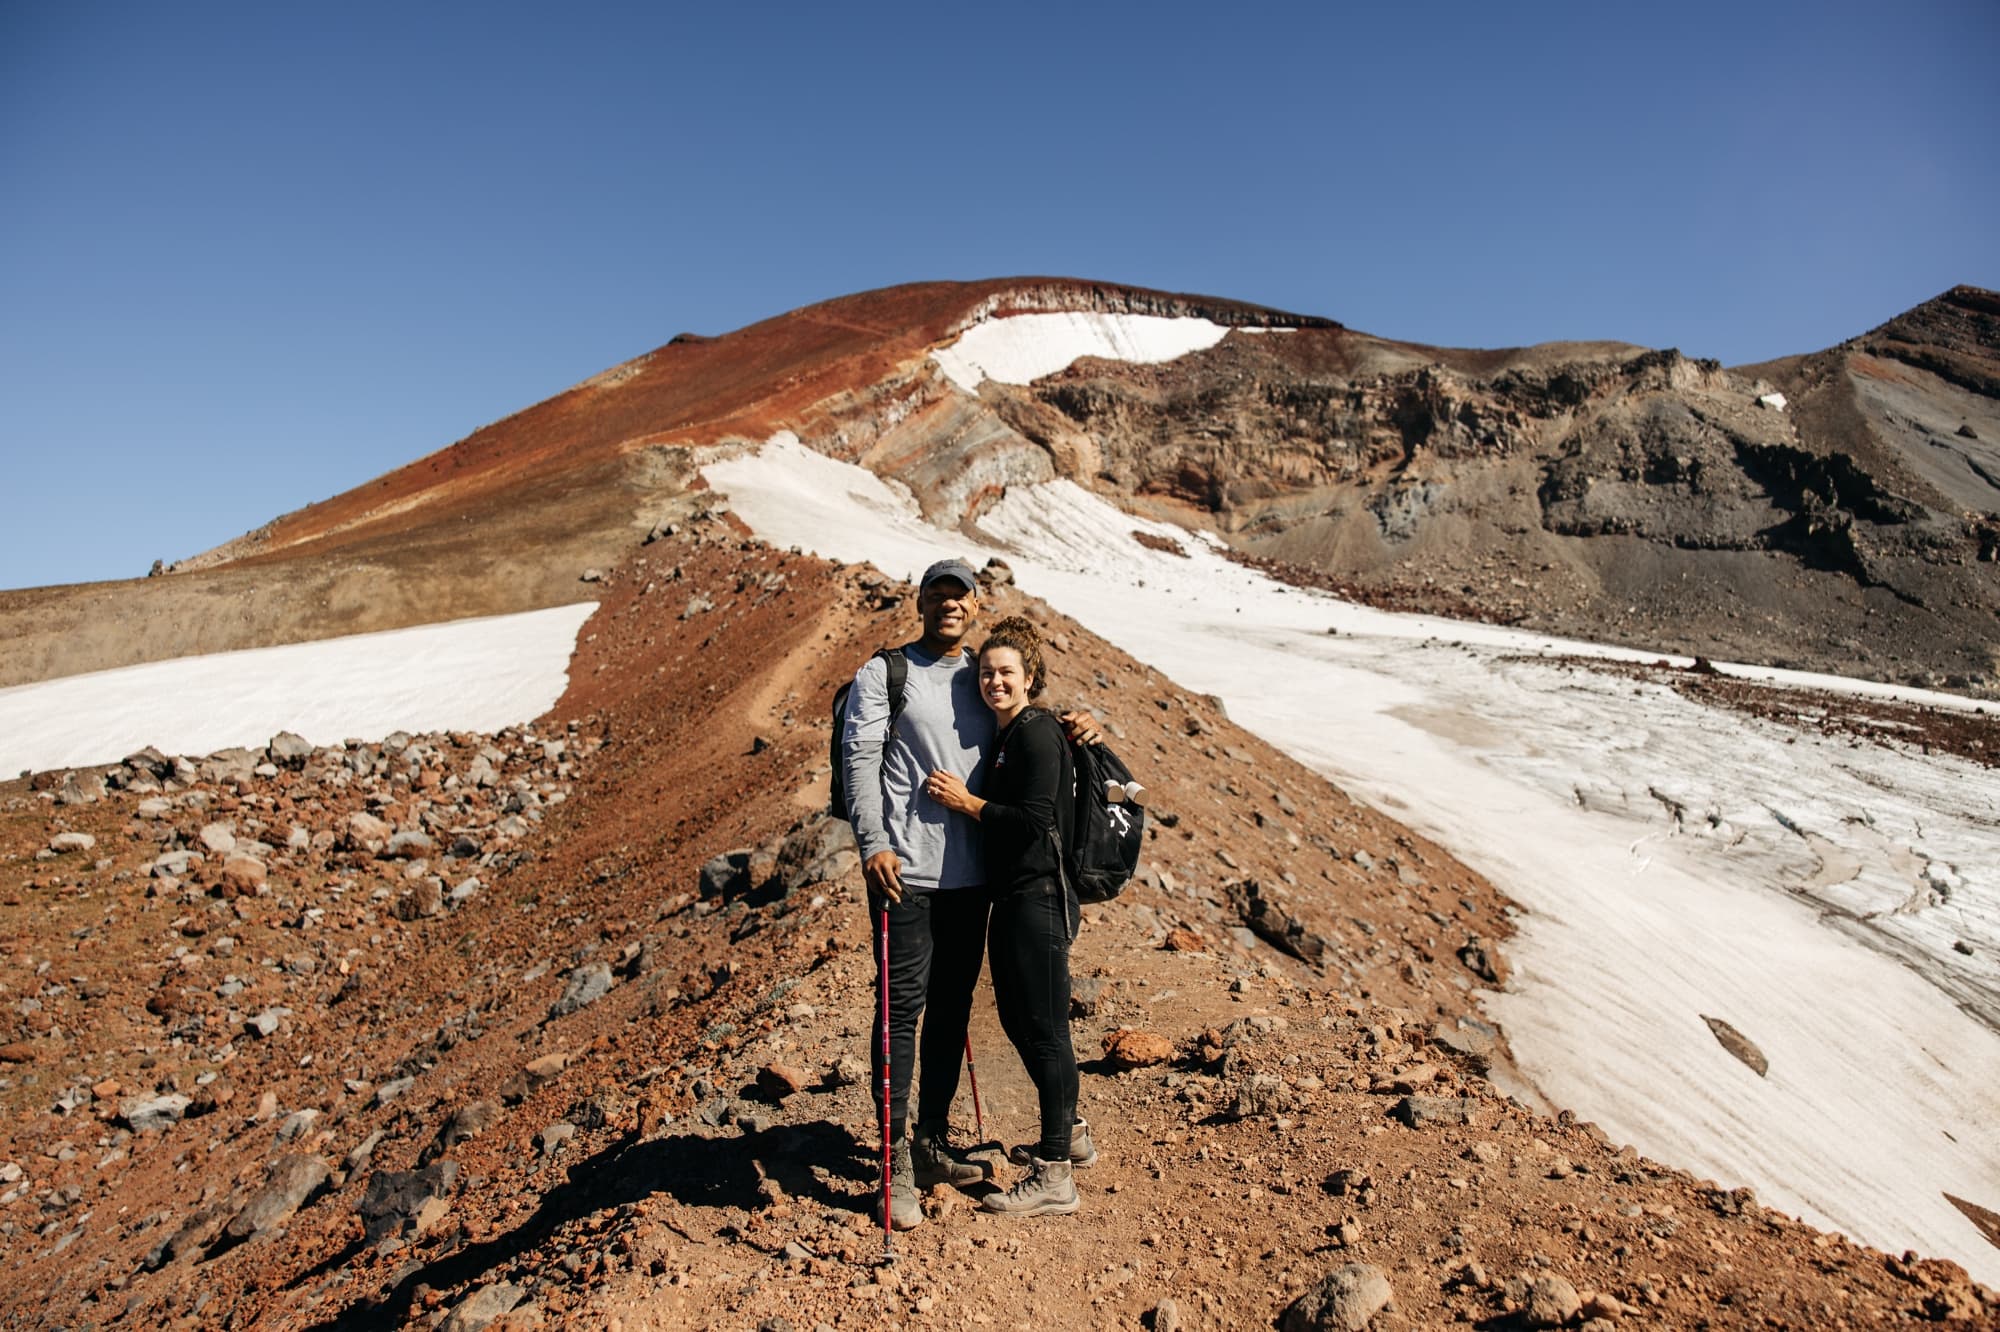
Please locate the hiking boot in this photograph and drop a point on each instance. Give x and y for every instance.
(1048, 1190)
(904, 1211)
(1082, 1151)
(938, 1162)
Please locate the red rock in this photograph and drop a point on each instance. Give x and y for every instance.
(1130, 1048)
(365, 832)
(1184, 941)
(19, 1052)
(778, 1081)
(541, 1070)
(1599, 1304)
(1412, 1079)
(243, 875)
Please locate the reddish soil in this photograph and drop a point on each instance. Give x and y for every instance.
(631, 1168)
(746, 384)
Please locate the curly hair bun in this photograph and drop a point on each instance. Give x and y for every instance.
(1019, 633)
(1017, 627)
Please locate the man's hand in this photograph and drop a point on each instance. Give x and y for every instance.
(883, 873)
(1082, 728)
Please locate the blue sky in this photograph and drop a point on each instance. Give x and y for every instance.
(251, 255)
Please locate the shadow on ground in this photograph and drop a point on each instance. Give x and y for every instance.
(694, 1170)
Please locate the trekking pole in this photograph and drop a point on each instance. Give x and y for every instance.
(972, 1071)
(888, 1244)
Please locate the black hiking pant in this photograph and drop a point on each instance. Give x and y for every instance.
(1029, 945)
(935, 942)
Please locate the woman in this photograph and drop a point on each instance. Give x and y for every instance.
(1028, 784)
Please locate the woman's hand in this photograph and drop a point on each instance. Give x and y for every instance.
(949, 790)
(1082, 728)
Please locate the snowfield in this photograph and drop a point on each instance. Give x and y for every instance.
(1674, 861)
(1019, 349)
(469, 675)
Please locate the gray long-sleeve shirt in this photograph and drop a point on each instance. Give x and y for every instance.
(945, 725)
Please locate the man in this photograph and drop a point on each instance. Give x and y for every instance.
(922, 864)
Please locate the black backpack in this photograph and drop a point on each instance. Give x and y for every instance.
(1107, 833)
(899, 672)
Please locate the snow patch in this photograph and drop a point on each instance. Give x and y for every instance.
(465, 675)
(1675, 859)
(1019, 349)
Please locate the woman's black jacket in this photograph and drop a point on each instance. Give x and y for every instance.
(1030, 788)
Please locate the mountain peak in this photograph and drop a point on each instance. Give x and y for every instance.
(1954, 335)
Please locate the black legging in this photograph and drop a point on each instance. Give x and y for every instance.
(935, 939)
(1029, 945)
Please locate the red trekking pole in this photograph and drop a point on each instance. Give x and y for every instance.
(972, 1071)
(888, 1246)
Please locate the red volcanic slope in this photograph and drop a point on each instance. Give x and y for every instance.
(699, 390)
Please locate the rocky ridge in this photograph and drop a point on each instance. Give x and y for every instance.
(1838, 511)
(1603, 491)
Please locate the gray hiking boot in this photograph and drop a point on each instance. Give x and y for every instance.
(904, 1211)
(1082, 1151)
(938, 1162)
(1048, 1190)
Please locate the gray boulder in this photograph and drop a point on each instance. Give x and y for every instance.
(820, 849)
(267, 1022)
(1260, 1094)
(194, 1235)
(297, 1124)
(409, 844)
(425, 898)
(483, 1307)
(290, 1181)
(151, 1114)
(1550, 1301)
(471, 1120)
(407, 1202)
(231, 765)
(1483, 960)
(393, 1088)
(81, 788)
(726, 875)
(587, 984)
(288, 750)
(175, 863)
(1468, 1037)
(151, 762)
(1345, 1300)
(1436, 1111)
